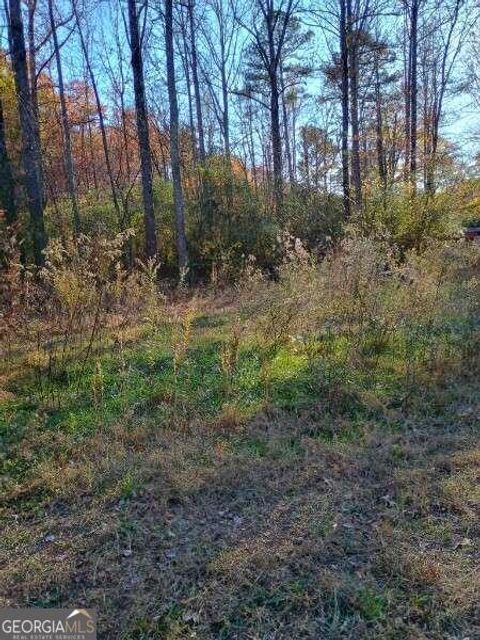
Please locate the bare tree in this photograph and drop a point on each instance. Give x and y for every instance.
(344, 35)
(413, 91)
(440, 51)
(34, 72)
(67, 141)
(269, 29)
(380, 147)
(196, 82)
(31, 153)
(98, 104)
(221, 62)
(182, 254)
(142, 130)
(185, 56)
(353, 62)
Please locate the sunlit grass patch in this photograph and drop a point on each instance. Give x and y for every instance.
(302, 473)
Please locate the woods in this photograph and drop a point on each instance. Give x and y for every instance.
(240, 317)
(244, 84)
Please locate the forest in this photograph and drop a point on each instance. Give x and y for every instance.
(240, 318)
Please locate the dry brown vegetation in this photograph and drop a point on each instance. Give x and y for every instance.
(291, 459)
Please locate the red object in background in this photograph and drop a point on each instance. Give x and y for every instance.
(473, 233)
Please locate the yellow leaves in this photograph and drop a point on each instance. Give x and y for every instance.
(37, 359)
(82, 270)
(6, 77)
(71, 289)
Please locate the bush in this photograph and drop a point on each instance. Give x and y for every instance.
(227, 222)
(367, 302)
(314, 217)
(408, 221)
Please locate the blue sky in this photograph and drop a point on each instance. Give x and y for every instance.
(461, 123)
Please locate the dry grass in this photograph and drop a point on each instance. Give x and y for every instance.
(303, 463)
(265, 531)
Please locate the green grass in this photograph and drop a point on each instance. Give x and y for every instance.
(327, 497)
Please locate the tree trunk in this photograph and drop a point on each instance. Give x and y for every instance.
(408, 98)
(31, 152)
(196, 84)
(294, 142)
(306, 159)
(251, 144)
(225, 109)
(381, 164)
(142, 131)
(101, 120)
(185, 60)
(123, 115)
(413, 95)
(94, 163)
(32, 70)
(67, 141)
(276, 142)
(286, 131)
(440, 81)
(345, 108)
(7, 191)
(352, 47)
(182, 254)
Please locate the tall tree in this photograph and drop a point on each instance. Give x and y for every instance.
(7, 187)
(440, 50)
(142, 131)
(182, 254)
(276, 35)
(31, 152)
(344, 64)
(7, 191)
(67, 141)
(99, 108)
(185, 56)
(196, 82)
(34, 72)
(354, 32)
(221, 62)
(380, 146)
(270, 30)
(413, 92)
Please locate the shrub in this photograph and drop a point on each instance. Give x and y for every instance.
(367, 302)
(226, 221)
(316, 218)
(407, 221)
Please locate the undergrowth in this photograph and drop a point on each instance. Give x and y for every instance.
(109, 384)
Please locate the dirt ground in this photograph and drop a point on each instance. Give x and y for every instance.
(289, 526)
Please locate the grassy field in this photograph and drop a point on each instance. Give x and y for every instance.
(191, 483)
